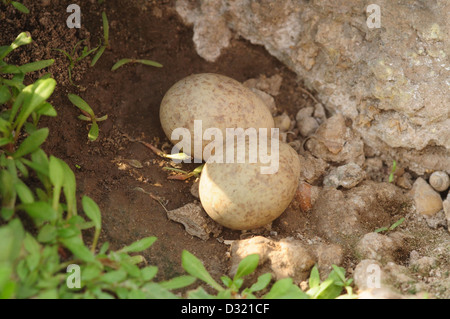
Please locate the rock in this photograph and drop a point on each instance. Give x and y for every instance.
(439, 181)
(304, 113)
(195, 220)
(437, 220)
(319, 113)
(335, 142)
(347, 176)
(374, 169)
(267, 99)
(328, 255)
(307, 126)
(427, 201)
(368, 274)
(377, 247)
(283, 122)
(269, 85)
(211, 33)
(422, 265)
(405, 181)
(391, 81)
(312, 168)
(306, 196)
(284, 258)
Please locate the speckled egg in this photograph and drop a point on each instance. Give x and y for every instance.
(217, 100)
(239, 196)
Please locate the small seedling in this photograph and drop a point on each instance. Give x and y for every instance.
(105, 39)
(184, 174)
(88, 115)
(394, 167)
(74, 60)
(392, 227)
(125, 61)
(17, 5)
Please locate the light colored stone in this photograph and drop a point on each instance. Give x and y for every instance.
(283, 122)
(312, 168)
(347, 176)
(307, 126)
(335, 142)
(194, 189)
(284, 258)
(195, 220)
(377, 247)
(427, 201)
(270, 85)
(368, 274)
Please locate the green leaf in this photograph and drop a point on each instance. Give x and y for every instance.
(139, 245)
(148, 273)
(397, 223)
(34, 250)
(36, 66)
(279, 289)
(105, 28)
(114, 276)
(34, 95)
(199, 293)
(91, 272)
(178, 282)
(194, 267)
(120, 63)
(11, 238)
(22, 39)
(24, 193)
(40, 211)
(261, 283)
(77, 247)
(285, 289)
(20, 7)
(31, 143)
(47, 234)
(104, 248)
(314, 278)
(81, 104)
(247, 266)
(227, 281)
(92, 211)
(150, 62)
(5, 95)
(69, 188)
(155, 291)
(98, 55)
(46, 109)
(93, 132)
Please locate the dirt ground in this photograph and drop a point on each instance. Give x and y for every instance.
(131, 97)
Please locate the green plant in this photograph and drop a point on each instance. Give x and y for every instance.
(393, 169)
(88, 115)
(392, 227)
(105, 39)
(19, 6)
(122, 62)
(73, 59)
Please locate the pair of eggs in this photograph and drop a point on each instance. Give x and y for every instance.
(237, 193)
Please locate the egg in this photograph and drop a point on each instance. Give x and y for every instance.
(218, 101)
(240, 196)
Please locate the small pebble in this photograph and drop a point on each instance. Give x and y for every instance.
(427, 201)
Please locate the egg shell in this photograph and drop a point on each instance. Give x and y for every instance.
(219, 101)
(238, 196)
